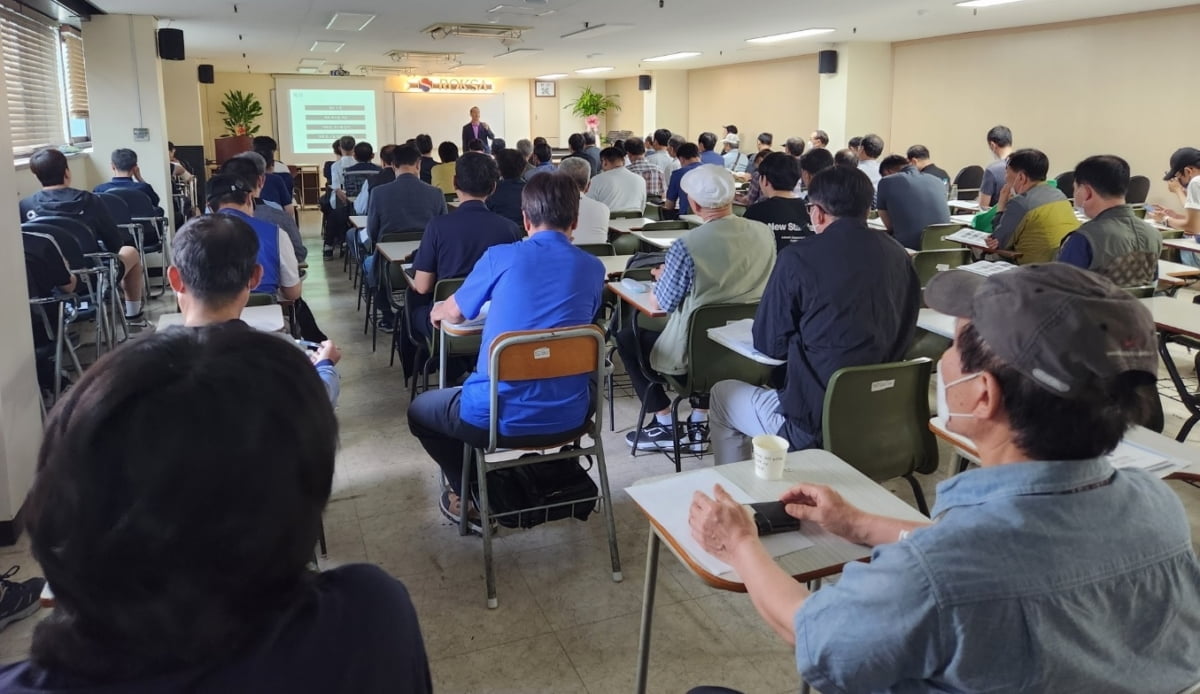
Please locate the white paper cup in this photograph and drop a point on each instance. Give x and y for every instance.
(769, 455)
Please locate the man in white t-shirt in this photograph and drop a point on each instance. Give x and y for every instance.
(620, 189)
(592, 225)
(1183, 179)
(657, 154)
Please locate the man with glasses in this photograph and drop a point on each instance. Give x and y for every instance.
(1183, 181)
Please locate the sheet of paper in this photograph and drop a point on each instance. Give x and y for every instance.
(1127, 455)
(667, 501)
(971, 237)
(986, 268)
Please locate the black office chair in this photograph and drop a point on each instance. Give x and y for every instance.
(968, 181)
(153, 225)
(1139, 190)
(118, 209)
(84, 259)
(1066, 183)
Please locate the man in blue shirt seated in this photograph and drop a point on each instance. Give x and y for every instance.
(231, 195)
(126, 174)
(1045, 569)
(541, 283)
(708, 146)
(506, 200)
(677, 199)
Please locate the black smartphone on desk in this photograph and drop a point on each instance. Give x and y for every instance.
(771, 517)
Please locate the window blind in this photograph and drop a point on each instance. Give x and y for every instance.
(76, 81)
(33, 81)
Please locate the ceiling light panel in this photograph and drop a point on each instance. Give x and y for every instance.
(517, 52)
(474, 31)
(327, 46)
(984, 3)
(523, 10)
(671, 56)
(790, 36)
(312, 62)
(552, 76)
(307, 70)
(592, 70)
(349, 21)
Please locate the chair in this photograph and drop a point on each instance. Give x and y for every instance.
(625, 244)
(931, 237)
(707, 362)
(625, 214)
(260, 299)
(152, 224)
(352, 182)
(536, 355)
(876, 418)
(98, 269)
(430, 349)
(1066, 183)
(597, 249)
(1139, 189)
(366, 288)
(929, 263)
(39, 247)
(967, 182)
(653, 210)
(1143, 292)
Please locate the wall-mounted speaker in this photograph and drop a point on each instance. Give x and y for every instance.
(827, 62)
(170, 44)
(644, 83)
(205, 74)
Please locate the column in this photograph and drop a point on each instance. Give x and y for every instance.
(858, 99)
(181, 92)
(666, 104)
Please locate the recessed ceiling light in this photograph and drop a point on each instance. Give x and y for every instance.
(349, 21)
(517, 51)
(803, 33)
(552, 76)
(671, 56)
(983, 3)
(521, 9)
(307, 70)
(592, 30)
(312, 62)
(467, 66)
(326, 46)
(590, 70)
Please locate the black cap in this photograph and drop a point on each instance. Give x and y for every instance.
(225, 183)
(1182, 158)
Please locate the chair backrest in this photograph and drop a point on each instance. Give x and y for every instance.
(138, 202)
(931, 237)
(352, 181)
(929, 263)
(117, 202)
(77, 229)
(968, 178)
(1143, 292)
(876, 418)
(403, 235)
(67, 245)
(1066, 183)
(597, 249)
(624, 214)
(444, 288)
(38, 248)
(260, 299)
(1139, 189)
(117, 208)
(709, 362)
(625, 244)
(666, 226)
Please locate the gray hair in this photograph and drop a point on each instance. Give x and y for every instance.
(577, 169)
(525, 147)
(259, 162)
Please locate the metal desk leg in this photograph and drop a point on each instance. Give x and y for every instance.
(441, 358)
(1188, 400)
(652, 545)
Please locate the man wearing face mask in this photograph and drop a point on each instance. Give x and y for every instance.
(820, 318)
(1032, 217)
(1042, 568)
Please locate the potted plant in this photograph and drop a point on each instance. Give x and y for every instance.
(239, 111)
(590, 105)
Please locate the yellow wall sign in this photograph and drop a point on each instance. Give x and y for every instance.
(451, 85)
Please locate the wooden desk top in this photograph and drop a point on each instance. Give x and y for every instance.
(359, 221)
(1177, 316)
(397, 251)
(639, 300)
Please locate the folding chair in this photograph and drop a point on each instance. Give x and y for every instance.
(153, 230)
(529, 356)
(931, 237)
(98, 268)
(597, 249)
(929, 263)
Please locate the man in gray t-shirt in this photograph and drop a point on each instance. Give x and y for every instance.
(908, 200)
(1000, 142)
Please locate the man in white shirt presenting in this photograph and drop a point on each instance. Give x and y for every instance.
(592, 226)
(616, 186)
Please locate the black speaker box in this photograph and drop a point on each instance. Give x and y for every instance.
(205, 74)
(170, 44)
(643, 83)
(827, 62)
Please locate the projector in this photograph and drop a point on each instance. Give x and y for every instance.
(339, 73)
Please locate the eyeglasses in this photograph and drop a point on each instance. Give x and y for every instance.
(808, 207)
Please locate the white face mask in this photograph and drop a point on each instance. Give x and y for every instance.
(943, 407)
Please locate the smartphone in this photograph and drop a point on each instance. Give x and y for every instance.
(771, 517)
(308, 345)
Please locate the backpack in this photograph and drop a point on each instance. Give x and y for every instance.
(539, 484)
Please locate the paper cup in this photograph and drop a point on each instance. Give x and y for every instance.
(769, 455)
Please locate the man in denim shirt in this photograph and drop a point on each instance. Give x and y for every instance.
(1044, 570)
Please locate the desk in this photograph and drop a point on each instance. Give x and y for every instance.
(963, 219)
(661, 239)
(936, 322)
(691, 219)
(1177, 321)
(615, 264)
(358, 221)
(970, 205)
(268, 319)
(738, 337)
(825, 557)
(397, 251)
(465, 329)
(624, 226)
(640, 300)
(1168, 269)
(1185, 243)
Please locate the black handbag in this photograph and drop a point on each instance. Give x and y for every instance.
(540, 484)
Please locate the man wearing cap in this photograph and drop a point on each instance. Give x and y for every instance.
(1032, 216)
(819, 318)
(1043, 570)
(1183, 180)
(229, 194)
(731, 156)
(1113, 242)
(726, 260)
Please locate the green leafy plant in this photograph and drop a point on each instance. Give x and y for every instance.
(593, 103)
(239, 111)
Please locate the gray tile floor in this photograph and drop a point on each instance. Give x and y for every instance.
(562, 625)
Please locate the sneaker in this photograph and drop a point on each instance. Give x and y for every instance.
(697, 436)
(654, 437)
(385, 325)
(450, 509)
(327, 252)
(18, 600)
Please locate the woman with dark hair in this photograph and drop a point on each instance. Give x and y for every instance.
(179, 563)
(442, 174)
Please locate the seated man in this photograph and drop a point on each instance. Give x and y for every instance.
(250, 167)
(231, 195)
(268, 147)
(1024, 583)
(1113, 242)
(454, 242)
(754, 192)
(592, 225)
(47, 274)
(819, 318)
(276, 190)
(918, 156)
(641, 165)
(783, 213)
(405, 204)
(564, 284)
(726, 260)
(1032, 217)
(506, 200)
(676, 202)
(576, 144)
(183, 563)
(707, 145)
(214, 267)
(126, 174)
(1183, 180)
(386, 175)
(620, 189)
(909, 201)
(869, 152)
(542, 161)
(58, 198)
(424, 144)
(731, 154)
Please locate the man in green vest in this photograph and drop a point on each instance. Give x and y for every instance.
(1113, 242)
(726, 260)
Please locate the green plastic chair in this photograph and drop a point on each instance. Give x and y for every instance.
(625, 214)
(653, 211)
(456, 346)
(597, 249)
(1143, 292)
(931, 237)
(625, 244)
(929, 263)
(259, 299)
(876, 418)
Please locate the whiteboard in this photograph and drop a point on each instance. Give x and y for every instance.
(444, 115)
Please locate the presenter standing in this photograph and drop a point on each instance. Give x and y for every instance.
(477, 130)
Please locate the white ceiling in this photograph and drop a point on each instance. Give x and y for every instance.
(275, 34)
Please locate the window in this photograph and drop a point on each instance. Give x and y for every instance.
(76, 83)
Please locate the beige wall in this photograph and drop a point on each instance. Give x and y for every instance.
(210, 101)
(778, 96)
(631, 100)
(181, 89)
(1071, 90)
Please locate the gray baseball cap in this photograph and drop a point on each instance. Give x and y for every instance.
(1060, 325)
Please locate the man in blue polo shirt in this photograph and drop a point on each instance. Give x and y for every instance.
(677, 200)
(126, 174)
(541, 283)
(229, 194)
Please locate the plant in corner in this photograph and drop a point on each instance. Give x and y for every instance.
(239, 111)
(590, 105)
